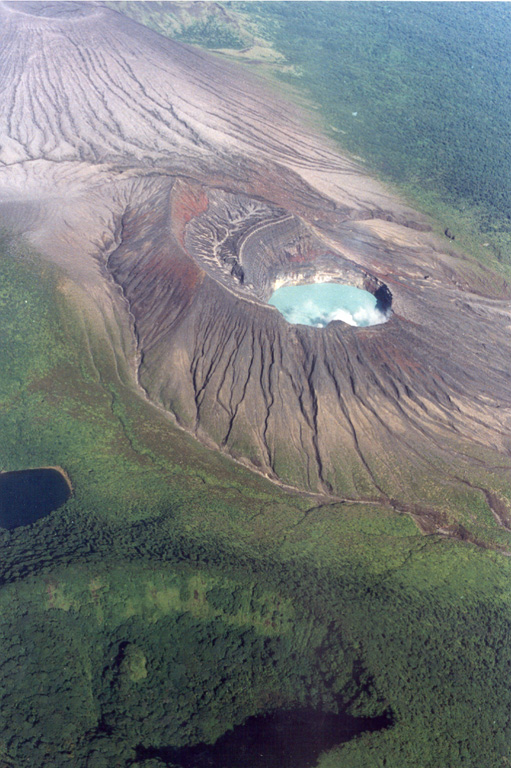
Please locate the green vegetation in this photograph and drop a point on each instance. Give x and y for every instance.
(211, 34)
(177, 594)
(204, 24)
(419, 90)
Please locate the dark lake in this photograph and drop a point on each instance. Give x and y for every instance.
(282, 739)
(30, 494)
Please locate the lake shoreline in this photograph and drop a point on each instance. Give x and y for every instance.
(57, 468)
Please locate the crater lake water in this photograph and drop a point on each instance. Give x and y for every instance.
(30, 494)
(318, 304)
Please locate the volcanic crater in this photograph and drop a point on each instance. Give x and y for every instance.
(176, 192)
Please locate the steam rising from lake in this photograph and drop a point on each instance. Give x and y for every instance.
(317, 304)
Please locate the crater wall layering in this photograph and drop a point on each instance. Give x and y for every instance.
(176, 192)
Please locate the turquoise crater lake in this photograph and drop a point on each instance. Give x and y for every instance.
(318, 304)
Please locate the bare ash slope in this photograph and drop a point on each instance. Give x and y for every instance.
(176, 191)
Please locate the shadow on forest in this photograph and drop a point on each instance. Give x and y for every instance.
(276, 740)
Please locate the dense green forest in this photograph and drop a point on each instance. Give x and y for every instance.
(418, 90)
